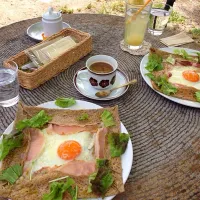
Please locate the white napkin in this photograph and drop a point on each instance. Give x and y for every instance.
(177, 40)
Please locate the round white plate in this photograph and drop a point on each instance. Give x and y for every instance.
(127, 157)
(148, 81)
(35, 30)
(84, 87)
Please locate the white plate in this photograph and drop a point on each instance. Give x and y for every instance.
(148, 81)
(35, 30)
(87, 90)
(127, 157)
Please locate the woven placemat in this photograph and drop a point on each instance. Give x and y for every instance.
(165, 135)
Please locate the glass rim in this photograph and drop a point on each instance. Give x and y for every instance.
(137, 5)
(13, 65)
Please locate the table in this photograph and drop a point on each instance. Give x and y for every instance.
(165, 135)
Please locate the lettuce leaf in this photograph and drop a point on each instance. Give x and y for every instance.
(198, 54)
(154, 63)
(101, 181)
(107, 118)
(170, 60)
(183, 53)
(117, 143)
(197, 96)
(83, 117)
(65, 102)
(37, 121)
(8, 143)
(162, 82)
(57, 190)
(11, 174)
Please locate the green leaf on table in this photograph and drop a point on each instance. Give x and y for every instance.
(83, 117)
(57, 190)
(37, 121)
(65, 102)
(9, 143)
(117, 143)
(170, 60)
(107, 118)
(102, 180)
(162, 82)
(197, 96)
(11, 174)
(154, 62)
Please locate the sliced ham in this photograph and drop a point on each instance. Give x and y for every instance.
(188, 63)
(64, 130)
(100, 142)
(36, 144)
(77, 168)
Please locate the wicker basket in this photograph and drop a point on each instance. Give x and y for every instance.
(31, 80)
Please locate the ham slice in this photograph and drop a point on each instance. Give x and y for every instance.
(188, 63)
(36, 144)
(100, 142)
(64, 130)
(77, 168)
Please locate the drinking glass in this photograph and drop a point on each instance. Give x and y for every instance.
(135, 25)
(9, 86)
(159, 17)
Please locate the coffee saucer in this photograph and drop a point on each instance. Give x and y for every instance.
(85, 88)
(35, 30)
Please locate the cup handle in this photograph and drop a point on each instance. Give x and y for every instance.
(83, 75)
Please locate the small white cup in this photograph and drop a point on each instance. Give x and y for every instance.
(99, 81)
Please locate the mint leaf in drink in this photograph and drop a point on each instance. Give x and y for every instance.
(37, 121)
(65, 102)
(9, 143)
(11, 174)
(107, 118)
(197, 96)
(154, 63)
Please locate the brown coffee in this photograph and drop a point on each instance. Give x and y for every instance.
(101, 68)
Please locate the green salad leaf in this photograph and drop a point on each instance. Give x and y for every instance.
(8, 143)
(65, 102)
(83, 117)
(183, 53)
(107, 118)
(37, 121)
(117, 143)
(162, 82)
(198, 54)
(102, 180)
(170, 60)
(11, 174)
(57, 190)
(197, 96)
(154, 63)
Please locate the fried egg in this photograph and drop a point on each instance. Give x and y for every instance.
(60, 149)
(188, 76)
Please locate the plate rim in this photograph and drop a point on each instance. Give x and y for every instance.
(27, 31)
(147, 80)
(129, 151)
(100, 99)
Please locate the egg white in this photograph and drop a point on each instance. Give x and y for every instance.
(178, 78)
(49, 156)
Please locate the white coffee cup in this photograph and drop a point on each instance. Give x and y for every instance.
(51, 22)
(99, 81)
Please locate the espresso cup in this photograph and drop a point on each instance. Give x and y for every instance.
(99, 80)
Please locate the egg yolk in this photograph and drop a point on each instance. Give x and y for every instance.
(69, 150)
(191, 75)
